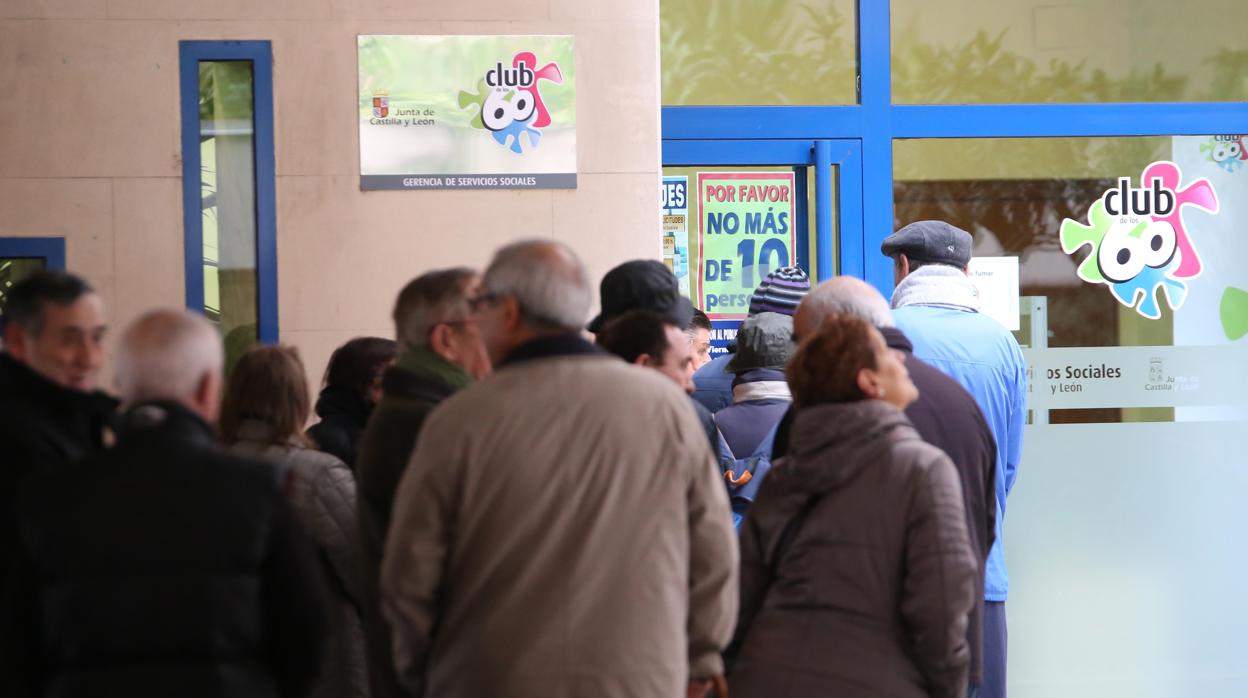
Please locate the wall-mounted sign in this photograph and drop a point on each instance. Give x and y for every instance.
(745, 230)
(675, 205)
(996, 281)
(1141, 247)
(467, 112)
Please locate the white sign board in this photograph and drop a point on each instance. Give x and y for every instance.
(996, 280)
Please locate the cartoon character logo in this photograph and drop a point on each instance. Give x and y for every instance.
(381, 105)
(509, 102)
(1140, 244)
(1228, 152)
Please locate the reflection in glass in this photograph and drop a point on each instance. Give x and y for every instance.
(723, 52)
(1016, 51)
(228, 201)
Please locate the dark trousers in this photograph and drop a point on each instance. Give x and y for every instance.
(996, 640)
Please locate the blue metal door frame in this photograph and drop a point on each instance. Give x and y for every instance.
(875, 122)
(823, 154)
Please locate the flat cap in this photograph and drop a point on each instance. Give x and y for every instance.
(930, 241)
(642, 284)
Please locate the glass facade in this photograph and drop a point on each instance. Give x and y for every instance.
(1017, 51)
(758, 51)
(1102, 145)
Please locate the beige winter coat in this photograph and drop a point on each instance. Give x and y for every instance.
(561, 530)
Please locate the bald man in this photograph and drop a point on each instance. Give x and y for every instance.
(163, 566)
(945, 415)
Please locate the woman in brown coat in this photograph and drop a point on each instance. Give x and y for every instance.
(856, 569)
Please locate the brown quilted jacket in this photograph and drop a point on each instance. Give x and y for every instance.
(870, 591)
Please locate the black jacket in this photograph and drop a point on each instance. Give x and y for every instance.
(43, 427)
(946, 416)
(162, 567)
(343, 414)
(385, 449)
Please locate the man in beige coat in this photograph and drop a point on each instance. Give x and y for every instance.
(561, 529)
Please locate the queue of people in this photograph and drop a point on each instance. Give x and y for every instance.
(506, 501)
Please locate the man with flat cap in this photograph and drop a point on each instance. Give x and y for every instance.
(937, 307)
(647, 285)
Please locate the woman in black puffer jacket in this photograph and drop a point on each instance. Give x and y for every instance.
(352, 389)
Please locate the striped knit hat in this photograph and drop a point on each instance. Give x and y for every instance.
(780, 292)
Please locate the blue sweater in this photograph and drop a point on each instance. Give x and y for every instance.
(983, 356)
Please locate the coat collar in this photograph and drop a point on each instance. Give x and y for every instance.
(20, 383)
(549, 347)
(167, 418)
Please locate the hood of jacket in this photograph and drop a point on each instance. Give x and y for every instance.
(832, 443)
(343, 404)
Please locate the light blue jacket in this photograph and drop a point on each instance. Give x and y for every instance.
(983, 356)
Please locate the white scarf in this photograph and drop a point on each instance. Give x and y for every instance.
(937, 284)
(761, 390)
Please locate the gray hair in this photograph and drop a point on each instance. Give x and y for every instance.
(547, 279)
(846, 295)
(428, 300)
(165, 354)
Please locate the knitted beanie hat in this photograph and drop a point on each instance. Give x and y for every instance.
(780, 292)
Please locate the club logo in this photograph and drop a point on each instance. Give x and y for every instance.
(509, 102)
(1229, 152)
(1141, 247)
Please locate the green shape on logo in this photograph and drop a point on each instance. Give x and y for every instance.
(1234, 311)
(1074, 235)
(468, 99)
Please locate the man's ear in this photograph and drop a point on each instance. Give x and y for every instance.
(440, 342)
(867, 384)
(643, 360)
(904, 263)
(208, 396)
(15, 341)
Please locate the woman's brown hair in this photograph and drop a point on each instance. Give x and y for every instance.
(268, 385)
(826, 365)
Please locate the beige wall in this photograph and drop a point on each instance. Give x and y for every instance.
(90, 148)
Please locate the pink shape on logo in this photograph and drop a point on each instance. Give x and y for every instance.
(550, 72)
(1199, 193)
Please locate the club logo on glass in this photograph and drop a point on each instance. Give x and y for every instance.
(1141, 247)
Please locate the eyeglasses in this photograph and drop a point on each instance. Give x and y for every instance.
(475, 303)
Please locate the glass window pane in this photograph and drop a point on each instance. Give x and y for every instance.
(721, 52)
(1015, 51)
(228, 201)
(13, 270)
(1125, 520)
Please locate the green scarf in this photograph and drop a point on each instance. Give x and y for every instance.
(426, 362)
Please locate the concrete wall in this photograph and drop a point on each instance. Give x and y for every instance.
(90, 149)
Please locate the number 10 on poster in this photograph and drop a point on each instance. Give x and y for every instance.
(745, 230)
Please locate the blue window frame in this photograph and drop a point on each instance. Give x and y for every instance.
(260, 55)
(823, 155)
(875, 122)
(50, 249)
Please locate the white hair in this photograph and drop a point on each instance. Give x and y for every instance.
(547, 279)
(846, 295)
(165, 354)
